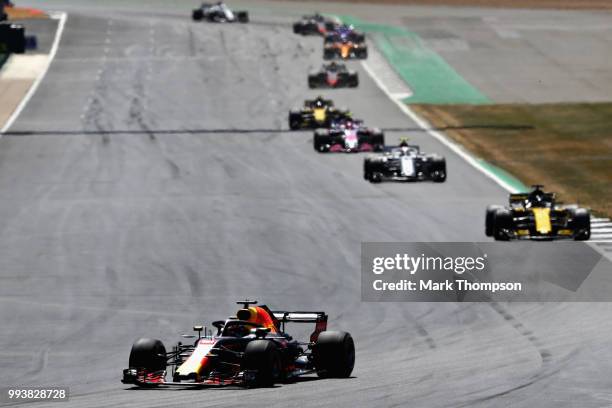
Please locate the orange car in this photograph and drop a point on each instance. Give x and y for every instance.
(345, 49)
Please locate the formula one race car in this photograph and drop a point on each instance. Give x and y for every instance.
(316, 113)
(219, 13)
(348, 136)
(404, 163)
(12, 38)
(345, 49)
(344, 33)
(537, 216)
(249, 349)
(333, 75)
(314, 25)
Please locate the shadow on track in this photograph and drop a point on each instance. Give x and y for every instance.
(238, 130)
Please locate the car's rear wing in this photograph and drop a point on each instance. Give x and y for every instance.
(318, 318)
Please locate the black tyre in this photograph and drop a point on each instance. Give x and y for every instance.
(378, 140)
(438, 170)
(295, 120)
(242, 16)
(149, 354)
(13, 36)
(263, 358)
(297, 28)
(502, 222)
(581, 224)
(353, 81)
(490, 219)
(376, 177)
(320, 140)
(367, 169)
(330, 26)
(197, 15)
(334, 354)
(313, 81)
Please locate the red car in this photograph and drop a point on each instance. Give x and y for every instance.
(249, 349)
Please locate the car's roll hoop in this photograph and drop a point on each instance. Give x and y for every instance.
(246, 303)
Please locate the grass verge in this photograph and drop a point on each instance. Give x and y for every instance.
(566, 147)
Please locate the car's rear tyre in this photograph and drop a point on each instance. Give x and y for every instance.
(149, 354)
(329, 54)
(242, 16)
(378, 140)
(330, 26)
(312, 81)
(197, 15)
(490, 219)
(334, 354)
(263, 358)
(353, 81)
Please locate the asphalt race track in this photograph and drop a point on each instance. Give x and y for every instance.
(170, 188)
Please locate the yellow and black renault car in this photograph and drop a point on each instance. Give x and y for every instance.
(537, 216)
(316, 113)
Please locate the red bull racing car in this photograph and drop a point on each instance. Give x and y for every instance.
(333, 75)
(316, 113)
(251, 348)
(348, 136)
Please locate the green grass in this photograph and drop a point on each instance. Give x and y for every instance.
(566, 147)
(429, 76)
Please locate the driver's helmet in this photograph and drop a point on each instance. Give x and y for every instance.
(403, 145)
(537, 198)
(349, 124)
(319, 102)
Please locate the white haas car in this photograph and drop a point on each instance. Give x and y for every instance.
(348, 136)
(219, 13)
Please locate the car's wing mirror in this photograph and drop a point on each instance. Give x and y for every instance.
(260, 332)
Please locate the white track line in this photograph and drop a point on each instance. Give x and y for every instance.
(62, 17)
